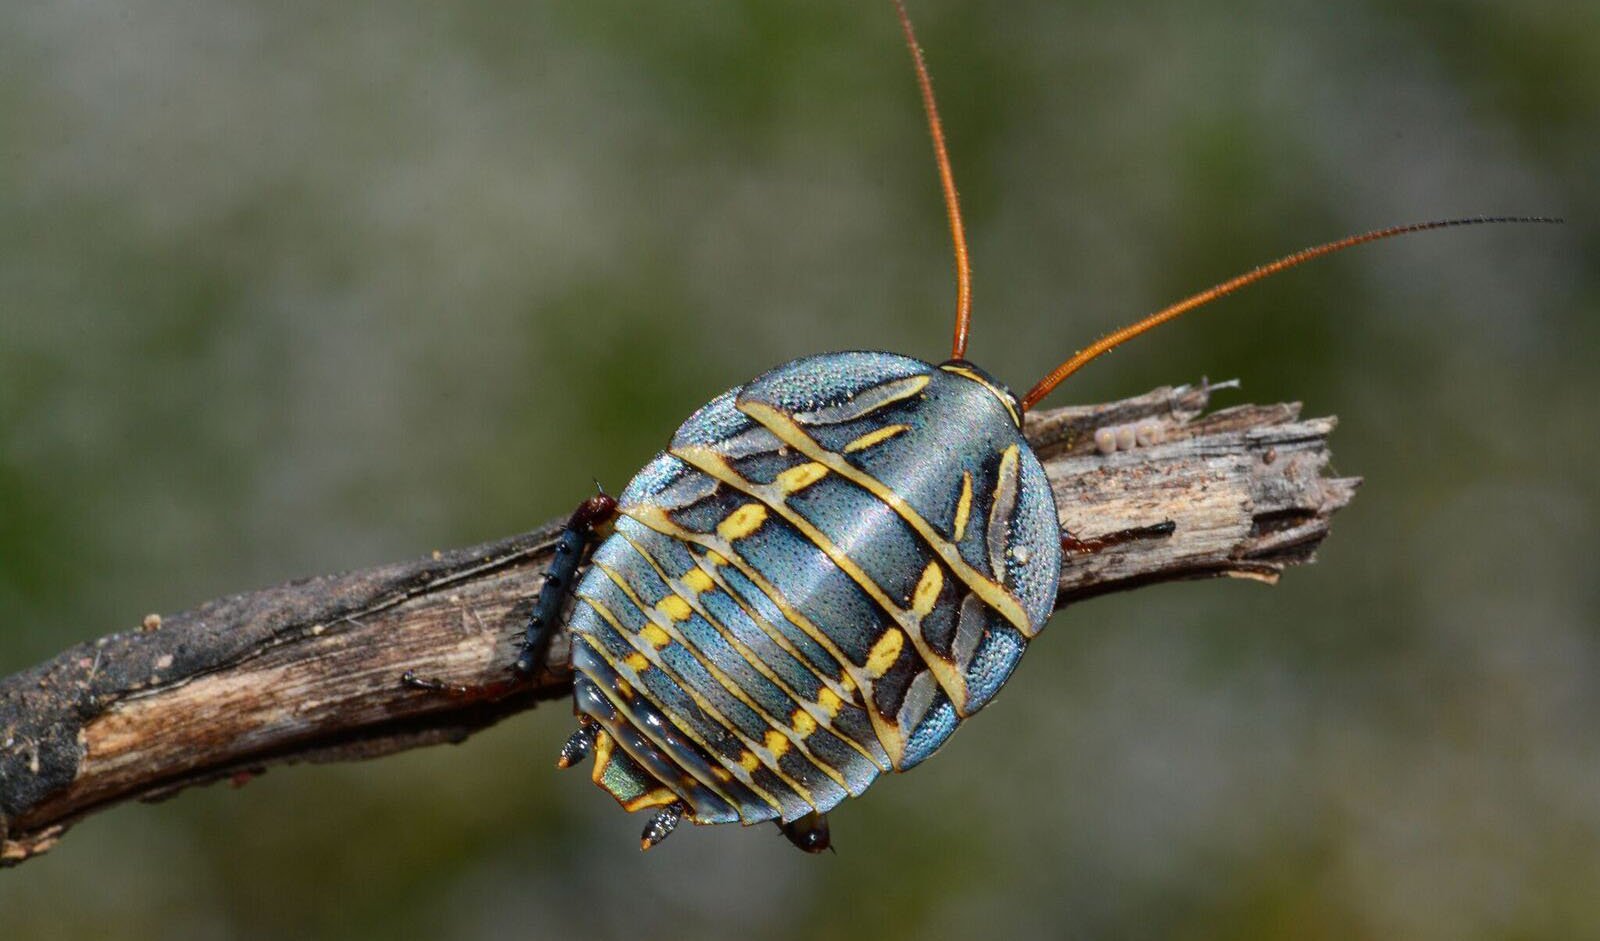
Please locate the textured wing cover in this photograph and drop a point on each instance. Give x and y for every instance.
(823, 574)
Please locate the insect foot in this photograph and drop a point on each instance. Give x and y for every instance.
(578, 745)
(662, 825)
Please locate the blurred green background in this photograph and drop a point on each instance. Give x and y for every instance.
(288, 288)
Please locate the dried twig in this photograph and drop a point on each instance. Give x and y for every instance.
(308, 671)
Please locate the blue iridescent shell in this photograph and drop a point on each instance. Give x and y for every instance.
(824, 573)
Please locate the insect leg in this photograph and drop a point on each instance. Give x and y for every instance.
(589, 523)
(662, 825)
(578, 744)
(1072, 545)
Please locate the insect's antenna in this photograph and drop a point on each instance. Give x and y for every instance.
(1116, 338)
(947, 179)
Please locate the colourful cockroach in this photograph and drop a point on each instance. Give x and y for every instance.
(825, 572)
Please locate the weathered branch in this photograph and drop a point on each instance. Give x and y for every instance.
(308, 671)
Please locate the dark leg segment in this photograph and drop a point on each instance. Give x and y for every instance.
(486, 691)
(410, 680)
(662, 825)
(588, 523)
(809, 833)
(1072, 545)
(579, 744)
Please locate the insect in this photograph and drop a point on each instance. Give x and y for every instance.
(828, 569)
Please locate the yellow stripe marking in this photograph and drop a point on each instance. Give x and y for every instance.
(985, 588)
(885, 652)
(1005, 400)
(866, 401)
(655, 636)
(822, 708)
(713, 714)
(657, 519)
(875, 437)
(625, 714)
(828, 704)
(654, 517)
(927, 593)
(674, 608)
(796, 479)
(653, 734)
(696, 581)
(742, 522)
(706, 659)
(777, 744)
(952, 680)
(749, 762)
(963, 506)
(637, 662)
(602, 756)
(802, 722)
(843, 683)
(655, 797)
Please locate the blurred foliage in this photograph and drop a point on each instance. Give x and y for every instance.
(298, 287)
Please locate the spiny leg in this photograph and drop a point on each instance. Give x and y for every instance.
(809, 833)
(578, 744)
(589, 522)
(661, 826)
(1073, 545)
(410, 680)
(485, 692)
(587, 525)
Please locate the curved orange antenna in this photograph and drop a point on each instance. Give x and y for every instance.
(947, 179)
(1116, 338)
